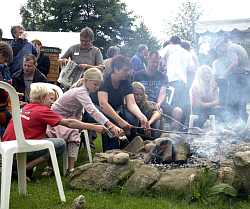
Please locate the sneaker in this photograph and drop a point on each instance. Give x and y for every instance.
(48, 171)
(69, 172)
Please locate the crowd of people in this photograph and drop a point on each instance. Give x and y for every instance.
(119, 96)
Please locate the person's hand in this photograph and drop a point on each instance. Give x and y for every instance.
(101, 67)
(64, 61)
(22, 103)
(144, 122)
(100, 129)
(116, 131)
(83, 66)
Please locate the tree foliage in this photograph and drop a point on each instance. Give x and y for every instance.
(109, 19)
(183, 24)
(141, 35)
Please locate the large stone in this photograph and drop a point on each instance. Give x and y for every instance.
(226, 175)
(120, 158)
(242, 171)
(136, 145)
(149, 147)
(182, 151)
(242, 159)
(175, 180)
(168, 153)
(99, 176)
(143, 178)
(102, 157)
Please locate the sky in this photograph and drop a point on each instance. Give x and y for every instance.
(154, 13)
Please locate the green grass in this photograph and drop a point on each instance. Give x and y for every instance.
(43, 194)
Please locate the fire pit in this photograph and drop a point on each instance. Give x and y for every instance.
(225, 151)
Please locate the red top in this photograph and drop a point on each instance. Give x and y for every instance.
(35, 118)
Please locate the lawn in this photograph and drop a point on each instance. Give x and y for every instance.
(42, 194)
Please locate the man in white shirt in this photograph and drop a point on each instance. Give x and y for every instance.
(177, 62)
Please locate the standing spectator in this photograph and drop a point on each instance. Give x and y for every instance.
(6, 56)
(233, 60)
(43, 62)
(85, 54)
(191, 71)
(20, 47)
(138, 61)
(155, 83)
(111, 52)
(26, 75)
(178, 62)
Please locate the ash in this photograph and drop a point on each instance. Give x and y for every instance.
(210, 149)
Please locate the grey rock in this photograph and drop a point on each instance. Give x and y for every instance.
(135, 145)
(120, 158)
(99, 176)
(175, 180)
(79, 203)
(143, 178)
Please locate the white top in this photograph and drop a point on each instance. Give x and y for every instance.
(177, 62)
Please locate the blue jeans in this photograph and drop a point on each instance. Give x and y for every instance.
(59, 145)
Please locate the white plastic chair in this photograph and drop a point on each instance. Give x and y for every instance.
(170, 94)
(86, 135)
(21, 147)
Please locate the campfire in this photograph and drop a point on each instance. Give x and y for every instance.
(194, 150)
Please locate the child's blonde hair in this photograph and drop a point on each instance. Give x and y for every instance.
(93, 74)
(139, 85)
(38, 92)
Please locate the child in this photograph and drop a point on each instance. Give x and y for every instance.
(35, 118)
(148, 108)
(72, 105)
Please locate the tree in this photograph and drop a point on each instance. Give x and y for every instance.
(108, 18)
(141, 35)
(183, 24)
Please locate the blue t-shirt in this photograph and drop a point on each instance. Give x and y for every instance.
(152, 83)
(137, 63)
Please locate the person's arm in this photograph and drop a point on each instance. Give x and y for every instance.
(197, 101)
(155, 117)
(108, 109)
(87, 66)
(89, 106)
(67, 56)
(76, 124)
(234, 62)
(162, 97)
(135, 110)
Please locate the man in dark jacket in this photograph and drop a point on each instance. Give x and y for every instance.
(20, 47)
(43, 62)
(27, 75)
(6, 56)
